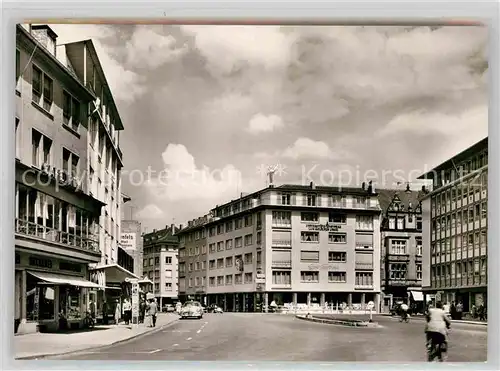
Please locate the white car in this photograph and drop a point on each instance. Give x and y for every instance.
(191, 309)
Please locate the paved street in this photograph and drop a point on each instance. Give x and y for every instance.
(274, 337)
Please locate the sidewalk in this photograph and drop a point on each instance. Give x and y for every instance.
(484, 323)
(39, 345)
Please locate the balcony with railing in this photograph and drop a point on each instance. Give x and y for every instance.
(281, 264)
(282, 243)
(37, 231)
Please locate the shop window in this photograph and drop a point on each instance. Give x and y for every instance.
(40, 303)
(69, 302)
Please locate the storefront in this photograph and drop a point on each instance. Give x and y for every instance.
(51, 293)
(113, 278)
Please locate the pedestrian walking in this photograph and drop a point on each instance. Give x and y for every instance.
(153, 310)
(127, 311)
(460, 309)
(453, 310)
(118, 312)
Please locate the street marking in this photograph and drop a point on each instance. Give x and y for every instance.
(155, 351)
(175, 345)
(189, 338)
(177, 331)
(198, 331)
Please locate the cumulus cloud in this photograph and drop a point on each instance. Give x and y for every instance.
(182, 179)
(125, 84)
(227, 48)
(150, 211)
(148, 49)
(260, 123)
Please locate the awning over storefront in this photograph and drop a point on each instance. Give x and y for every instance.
(145, 280)
(417, 295)
(115, 273)
(61, 279)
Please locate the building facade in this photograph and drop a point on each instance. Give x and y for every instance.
(104, 164)
(455, 229)
(401, 247)
(160, 264)
(293, 245)
(131, 241)
(56, 217)
(193, 250)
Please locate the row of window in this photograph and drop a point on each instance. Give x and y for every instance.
(402, 223)
(239, 242)
(285, 277)
(239, 279)
(229, 261)
(149, 262)
(460, 196)
(461, 241)
(399, 271)
(455, 219)
(313, 199)
(475, 266)
(461, 169)
(283, 219)
(400, 247)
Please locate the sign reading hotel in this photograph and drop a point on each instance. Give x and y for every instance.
(323, 227)
(128, 241)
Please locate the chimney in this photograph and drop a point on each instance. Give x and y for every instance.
(363, 186)
(370, 187)
(180, 226)
(172, 226)
(154, 230)
(312, 185)
(45, 36)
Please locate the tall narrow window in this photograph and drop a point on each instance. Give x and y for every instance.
(42, 89)
(18, 65)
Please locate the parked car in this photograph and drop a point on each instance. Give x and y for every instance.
(169, 308)
(192, 309)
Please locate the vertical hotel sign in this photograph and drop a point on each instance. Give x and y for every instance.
(128, 241)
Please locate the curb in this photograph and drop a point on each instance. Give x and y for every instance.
(134, 337)
(452, 321)
(338, 322)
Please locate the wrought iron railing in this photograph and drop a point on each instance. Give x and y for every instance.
(27, 228)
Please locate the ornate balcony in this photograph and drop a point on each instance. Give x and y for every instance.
(26, 228)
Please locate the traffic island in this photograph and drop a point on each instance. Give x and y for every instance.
(338, 321)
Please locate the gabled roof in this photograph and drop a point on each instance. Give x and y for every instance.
(162, 236)
(389, 198)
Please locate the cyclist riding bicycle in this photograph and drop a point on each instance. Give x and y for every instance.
(436, 331)
(404, 311)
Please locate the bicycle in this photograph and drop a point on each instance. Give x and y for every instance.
(404, 318)
(437, 349)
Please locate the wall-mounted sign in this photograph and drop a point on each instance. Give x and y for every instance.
(70, 267)
(323, 227)
(128, 241)
(317, 267)
(35, 261)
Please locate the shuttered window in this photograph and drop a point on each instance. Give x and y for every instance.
(309, 256)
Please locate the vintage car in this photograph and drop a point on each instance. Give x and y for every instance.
(192, 309)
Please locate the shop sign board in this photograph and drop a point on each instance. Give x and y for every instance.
(128, 241)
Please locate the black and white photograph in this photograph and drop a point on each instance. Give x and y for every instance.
(305, 193)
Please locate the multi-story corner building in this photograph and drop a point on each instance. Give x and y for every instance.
(455, 228)
(193, 260)
(294, 244)
(401, 247)
(56, 215)
(131, 241)
(160, 264)
(105, 160)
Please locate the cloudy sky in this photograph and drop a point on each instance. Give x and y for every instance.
(207, 108)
